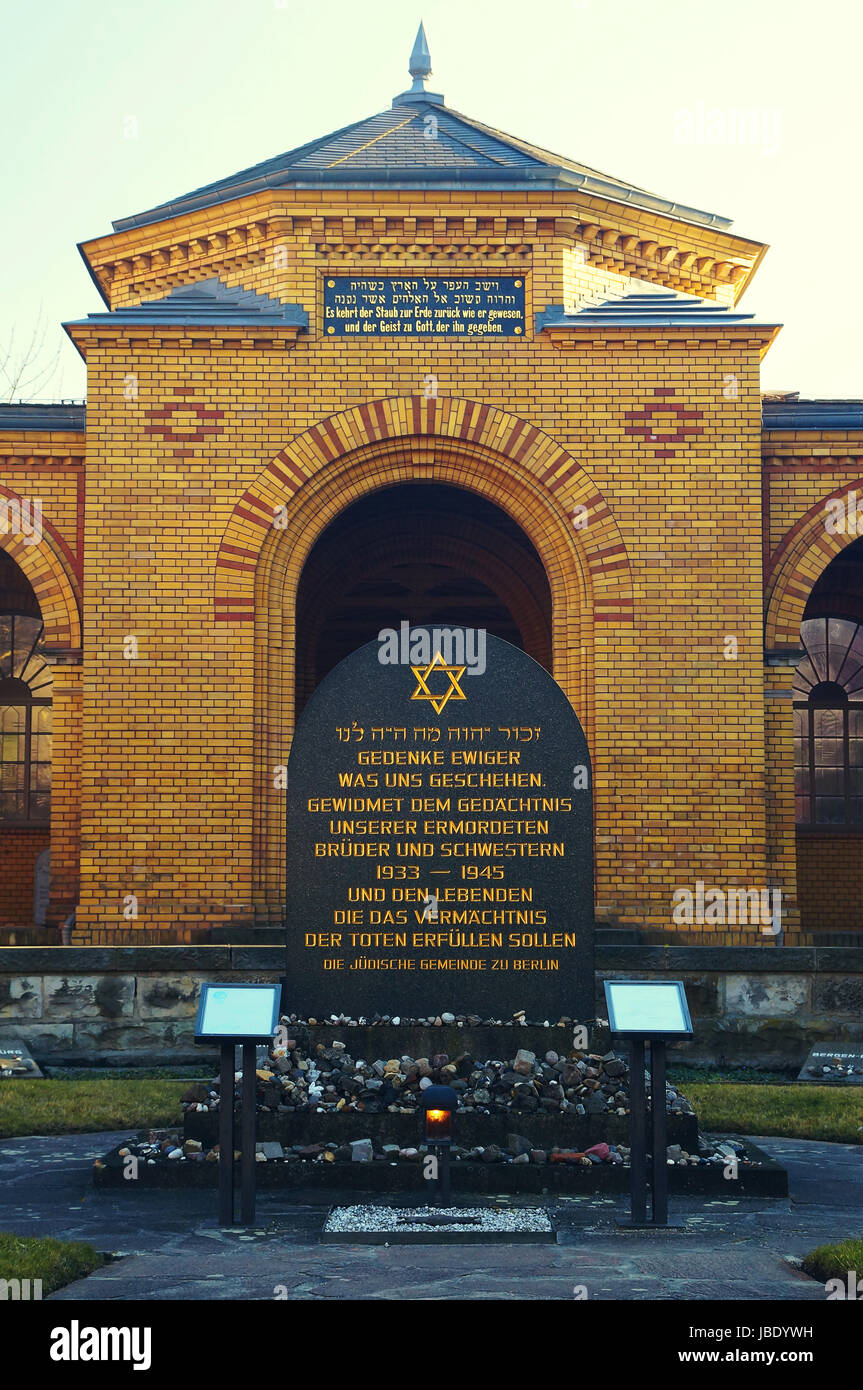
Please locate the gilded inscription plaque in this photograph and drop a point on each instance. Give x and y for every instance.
(424, 306)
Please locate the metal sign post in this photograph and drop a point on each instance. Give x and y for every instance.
(247, 1139)
(231, 1014)
(637, 1135)
(226, 1136)
(660, 1133)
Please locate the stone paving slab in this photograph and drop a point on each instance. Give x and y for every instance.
(734, 1249)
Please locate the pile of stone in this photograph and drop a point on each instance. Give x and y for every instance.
(442, 1020)
(836, 1070)
(172, 1148)
(303, 1076)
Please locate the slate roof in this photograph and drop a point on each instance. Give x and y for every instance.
(640, 308)
(207, 303)
(65, 416)
(392, 149)
(812, 415)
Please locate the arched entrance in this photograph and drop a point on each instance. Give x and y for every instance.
(39, 583)
(25, 743)
(828, 748)
(480, 453)
(443, 547)
(426, 553)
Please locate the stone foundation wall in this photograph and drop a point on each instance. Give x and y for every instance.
(136, 1005)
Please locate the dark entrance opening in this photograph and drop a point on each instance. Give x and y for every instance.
(426, 553)
(828, 753)
(25, 760)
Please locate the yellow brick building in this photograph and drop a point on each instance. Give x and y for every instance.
(253, 493)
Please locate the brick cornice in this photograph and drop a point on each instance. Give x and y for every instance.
(787, 457)
(148, 337)
(32, 456)
(576, 337)
(150, 260)
(57, 448)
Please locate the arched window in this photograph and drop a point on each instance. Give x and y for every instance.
(828, 724)
(25, 722)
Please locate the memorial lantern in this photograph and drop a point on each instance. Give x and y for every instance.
(439, 1126)
(439, 1103)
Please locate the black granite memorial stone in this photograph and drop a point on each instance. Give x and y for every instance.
(16, 1061)
(824, 1065)
(439, 836)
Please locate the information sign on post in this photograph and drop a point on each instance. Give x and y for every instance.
(231, 1014)
(238, 1013)
(648, 1011)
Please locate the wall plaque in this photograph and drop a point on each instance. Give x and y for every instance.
(424, 306)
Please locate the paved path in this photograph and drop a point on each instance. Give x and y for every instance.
(173, 1249)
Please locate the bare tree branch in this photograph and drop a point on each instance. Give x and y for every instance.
(25, 367)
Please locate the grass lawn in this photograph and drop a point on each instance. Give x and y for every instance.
(748, 1076)
(791, 1112)
(835, 1261)
(55, 1262)
(79, 1107)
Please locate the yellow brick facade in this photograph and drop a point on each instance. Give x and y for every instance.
(169, 728)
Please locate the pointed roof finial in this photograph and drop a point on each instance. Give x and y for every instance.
(419, 68)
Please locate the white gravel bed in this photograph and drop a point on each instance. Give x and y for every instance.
(364, 1218)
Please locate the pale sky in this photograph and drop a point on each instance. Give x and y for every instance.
(207, 87)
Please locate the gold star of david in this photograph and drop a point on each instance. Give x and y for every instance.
(454, 692)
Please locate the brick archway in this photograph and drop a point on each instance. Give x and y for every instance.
(798, 561)
(47, 567)
(51, 579)
(421, 425)
(521, 471)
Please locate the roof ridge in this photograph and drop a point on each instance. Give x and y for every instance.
(461, 140)
(301, 151)
(214, 290)
(481, 154)
(665, 309)
(534, 150)
(203, 302)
